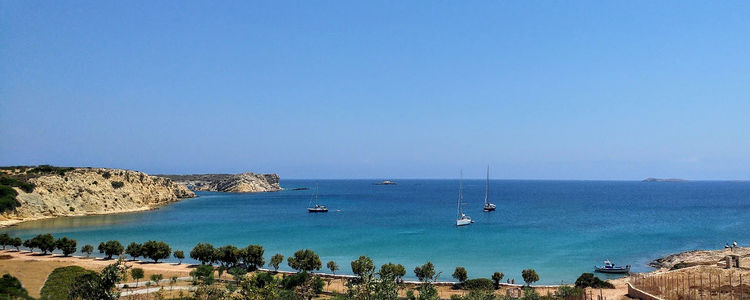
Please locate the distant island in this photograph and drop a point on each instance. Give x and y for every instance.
(232, 183)
(651, 179)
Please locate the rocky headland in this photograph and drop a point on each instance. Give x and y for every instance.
(231, 183)
(45, 192)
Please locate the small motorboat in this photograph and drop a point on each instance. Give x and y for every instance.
(611, 268)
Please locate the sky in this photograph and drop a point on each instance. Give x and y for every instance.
(592, 90)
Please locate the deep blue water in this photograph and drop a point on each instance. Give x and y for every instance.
(559, 228)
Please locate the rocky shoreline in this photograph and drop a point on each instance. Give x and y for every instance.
(87, 191)
(230, 183)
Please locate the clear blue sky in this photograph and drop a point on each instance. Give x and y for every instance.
(380, 89)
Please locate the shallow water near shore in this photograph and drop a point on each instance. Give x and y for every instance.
(559, 228)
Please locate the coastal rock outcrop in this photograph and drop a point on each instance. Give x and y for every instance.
(233, 183)
(88, 191)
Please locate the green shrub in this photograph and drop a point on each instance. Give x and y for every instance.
(60, 281)
(478, 284)
(589, 280)
(106, 174)
(11, 288)
(23, 185)
(8, 200)
(117, 184)
(47, 169)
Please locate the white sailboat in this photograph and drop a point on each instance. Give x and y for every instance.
(462, 219)
(487, 205)
(317, 208)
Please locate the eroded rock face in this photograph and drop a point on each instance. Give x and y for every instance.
(232, 183)
(85, 191)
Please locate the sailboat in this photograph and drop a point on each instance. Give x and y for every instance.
(317, 208)
(462, 219)
(487, 205)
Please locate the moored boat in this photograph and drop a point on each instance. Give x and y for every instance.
(317, 207)
(487, 205)
(609, 267)
(462, 219)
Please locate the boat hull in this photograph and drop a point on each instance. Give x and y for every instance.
(463, 222)
(490, 207)
(615, 270)
(317, 210)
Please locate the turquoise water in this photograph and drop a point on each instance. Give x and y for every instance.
(559, 228)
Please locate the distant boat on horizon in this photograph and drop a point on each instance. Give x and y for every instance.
(462, 219)
(487, 205)
(385, 182)
(317, 208)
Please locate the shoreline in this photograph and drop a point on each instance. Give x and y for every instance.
(9, 222)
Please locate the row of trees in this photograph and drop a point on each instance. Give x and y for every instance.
(155, 250)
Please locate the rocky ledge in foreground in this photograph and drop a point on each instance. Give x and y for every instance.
(232, 183)
(46, 191)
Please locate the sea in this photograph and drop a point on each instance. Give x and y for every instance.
(559, 228)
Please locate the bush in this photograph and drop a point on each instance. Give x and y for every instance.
(478, 284)
(589, 280)
(117, 184)
(106, 174)
(11, 288)
(23, 185)
(60, 281)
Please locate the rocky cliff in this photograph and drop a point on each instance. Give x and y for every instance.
(87, 191)
(233, 183)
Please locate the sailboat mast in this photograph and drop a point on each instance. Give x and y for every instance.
(460, 193)
(487, 187)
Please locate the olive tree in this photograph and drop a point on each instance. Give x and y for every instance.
(66, 245)
(252, 257)
(276, 260)
(88, 249)
(179, 255)
(460, 274)
(203, 253)
(305, 260)
(496, 277)
(331, 265)
(110, 248)
(156, 250)
(529, 276)
(134, 250)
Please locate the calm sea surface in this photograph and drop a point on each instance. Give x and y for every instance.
(559, 228)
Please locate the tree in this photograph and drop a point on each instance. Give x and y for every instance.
(331, 265)
(4, 240)
(566, 291)
(137, 274)
(99, 286)
(66, 245)
(110, 248)
(425, 272)
(460, 274)
(179, 255)
(496, 277)
(203, 273)
(156, 278)
(529, 276)
(363, 267)
(252, 257)
(88, 249)
(227, 255)
(397, 271)
(134, 250)
(16, 242)
(203, 253)
(305, 260)
(156, 250)
(29, 244)
(276, 260)
(45, 242)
